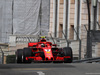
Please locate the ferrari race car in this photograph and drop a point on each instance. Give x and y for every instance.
(44, 51)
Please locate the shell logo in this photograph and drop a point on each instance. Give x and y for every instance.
(47, 50)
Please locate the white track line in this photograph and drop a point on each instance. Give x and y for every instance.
(93, 73)
(40, 73)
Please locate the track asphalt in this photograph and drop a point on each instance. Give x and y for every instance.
(50, 69)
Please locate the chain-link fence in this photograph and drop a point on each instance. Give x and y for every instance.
(71, 38)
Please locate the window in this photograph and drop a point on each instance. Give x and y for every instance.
(60, 30)
(72, 32)
(72, 1)
(61, 1)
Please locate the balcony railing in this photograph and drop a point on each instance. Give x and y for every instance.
(22, 39)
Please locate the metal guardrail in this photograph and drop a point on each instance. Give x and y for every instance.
(0, 57)
(90, 60)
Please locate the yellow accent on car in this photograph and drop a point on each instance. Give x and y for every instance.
(43, 37)
(47, 52)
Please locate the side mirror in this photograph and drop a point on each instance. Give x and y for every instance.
(54, 45)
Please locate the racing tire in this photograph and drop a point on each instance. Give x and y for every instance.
(68, 52)
(19, 53)
(27, 52)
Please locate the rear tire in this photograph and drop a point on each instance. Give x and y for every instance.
(68, 52)
(27, 52)
(19, 53)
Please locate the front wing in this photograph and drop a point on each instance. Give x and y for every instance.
(41, 59)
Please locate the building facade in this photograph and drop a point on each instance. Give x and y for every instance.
(71, 17)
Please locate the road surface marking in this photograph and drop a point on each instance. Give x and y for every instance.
(93, 73)
(41, 73)
(31, 69)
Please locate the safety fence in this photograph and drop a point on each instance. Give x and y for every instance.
(16, 40)
(74, 40)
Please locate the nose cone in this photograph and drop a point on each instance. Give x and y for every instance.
(48, 54)
(49, 58)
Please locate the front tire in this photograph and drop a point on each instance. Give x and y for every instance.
(19, 53)
(68, 52)
(27, 52)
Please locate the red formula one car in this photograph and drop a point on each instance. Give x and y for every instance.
(44, 51)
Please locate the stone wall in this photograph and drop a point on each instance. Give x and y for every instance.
(83, 23)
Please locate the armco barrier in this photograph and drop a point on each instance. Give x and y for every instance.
(90, 60)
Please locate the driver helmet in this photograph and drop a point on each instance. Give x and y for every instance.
(42, 45)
